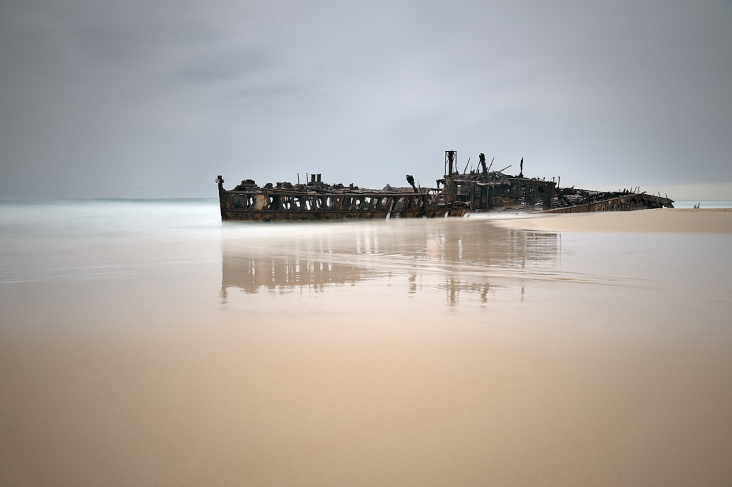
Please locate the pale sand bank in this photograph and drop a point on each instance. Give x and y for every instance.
(666, 220)
(415, 352)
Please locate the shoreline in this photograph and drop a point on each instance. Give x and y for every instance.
(665, 220)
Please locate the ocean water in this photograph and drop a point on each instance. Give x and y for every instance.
(704, 204)
(145, 342)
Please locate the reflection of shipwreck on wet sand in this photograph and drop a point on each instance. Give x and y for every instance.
(453, 255)
(478, 190)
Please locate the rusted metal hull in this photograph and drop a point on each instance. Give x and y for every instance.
(267, 216)
(629, 202)
(292, 205)
(478, 190)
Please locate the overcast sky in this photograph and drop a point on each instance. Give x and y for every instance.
(154, 98)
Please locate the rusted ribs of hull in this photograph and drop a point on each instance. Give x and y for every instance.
(308, 206)
(270, 216)
(628, 202)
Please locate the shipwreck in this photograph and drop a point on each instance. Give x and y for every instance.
(455, 194)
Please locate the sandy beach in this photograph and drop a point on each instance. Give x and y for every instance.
(567, 350)
(666, 220)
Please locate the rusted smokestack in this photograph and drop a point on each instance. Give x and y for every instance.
(410, 180)
(449, 160)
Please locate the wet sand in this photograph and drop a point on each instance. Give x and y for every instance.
(666, 220)
(404, 353)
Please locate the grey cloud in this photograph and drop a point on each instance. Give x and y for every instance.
(361, 92)
(226, 66)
